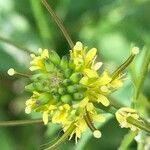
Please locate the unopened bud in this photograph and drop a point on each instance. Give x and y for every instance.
(76, 77)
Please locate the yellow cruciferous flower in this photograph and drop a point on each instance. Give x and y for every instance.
(65, 90)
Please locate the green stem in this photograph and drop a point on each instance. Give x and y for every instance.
(142, 125)
(59, 23)
(124, 65)
(63, 137)
(5, 40)
(127, 140)
(41, 21)
(20, 122)
(143, 73)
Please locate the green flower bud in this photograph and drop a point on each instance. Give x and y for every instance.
(49, 66)
(53, 91)
(40, 108)
(67, 72)
(29, 87)
(56, 97)
(40, 86)
(78, 96)
(61, 90)
(54, 57)
(64, 62)
(76, 77)
(72, 88)
(66, 99)
(44, 98)
(71, 64)
(67, 82)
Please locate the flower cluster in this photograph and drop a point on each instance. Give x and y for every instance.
(65, 90)
(70, 90)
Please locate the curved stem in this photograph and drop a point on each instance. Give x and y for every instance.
(20, 122)
(5, 40)
(59, 23)
(63, 137)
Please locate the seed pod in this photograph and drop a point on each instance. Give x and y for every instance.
(78, 96)
(66, 99)
(76, 77)
(64, 63)
(54, 57)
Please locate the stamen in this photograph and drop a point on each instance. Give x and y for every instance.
(117, 72)
(12, 72)
(96, 133)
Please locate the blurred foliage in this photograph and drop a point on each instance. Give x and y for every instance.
(112, 26)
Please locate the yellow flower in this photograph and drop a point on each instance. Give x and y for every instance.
(37, 61)
(123, 113)
(31, 103)
(69, 88)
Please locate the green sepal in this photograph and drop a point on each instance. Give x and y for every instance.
(49, 66)
(67, 82)
(62, 90)
(54, 57)
(78, 96)
(72, 88)
(64, 63)
(40, 86)
(29, 87)
(44, 98)
(76, 77)
(40, 108)
(67, 73)
(66, 99)
(71, 64)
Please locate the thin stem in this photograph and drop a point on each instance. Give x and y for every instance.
(88, 121)
(59, 23)
(143, 72)
(127, 140)
(41, 21)
(122, 67)
(5, 40)
(20, 122)
(139, 124)
(23, 75)
(63, 137)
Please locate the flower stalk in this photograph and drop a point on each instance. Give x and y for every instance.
(20, 122)
(63, 137)
(59, 23)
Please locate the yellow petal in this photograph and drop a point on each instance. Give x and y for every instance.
(78, 46)
(90, 55)
(97, 66)
(84, 81)
(45, 117)
(91, 73)
(103, 99)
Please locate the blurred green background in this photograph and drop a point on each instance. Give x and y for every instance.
(112, 26)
